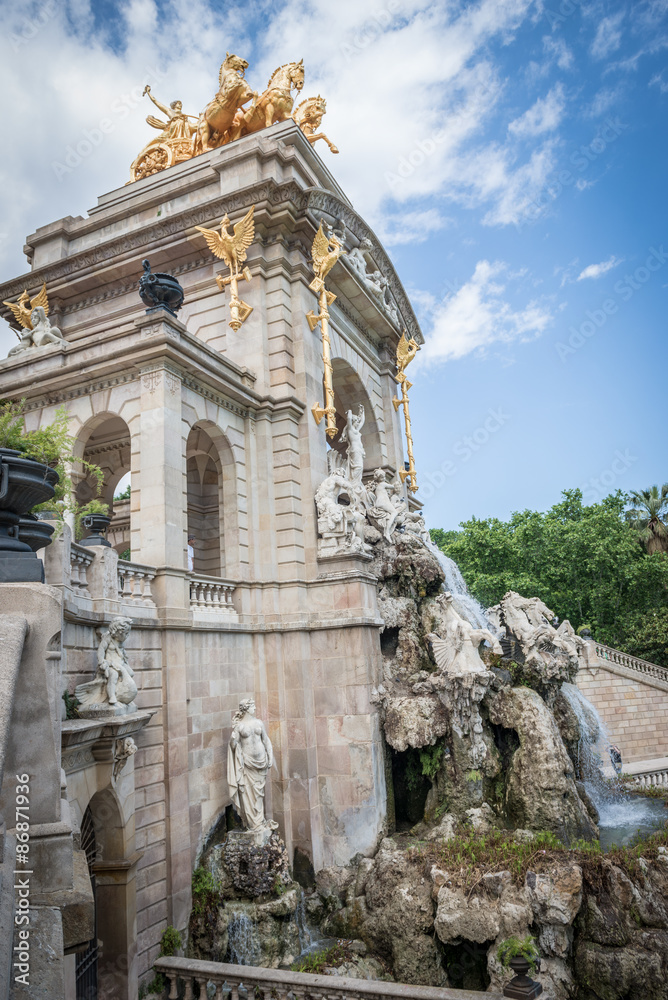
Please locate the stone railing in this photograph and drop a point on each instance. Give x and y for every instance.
(211, 595)
(268, 983)
(81, 556)
(631, 662)
(134, 584)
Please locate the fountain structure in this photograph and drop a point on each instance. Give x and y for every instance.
(279, 558)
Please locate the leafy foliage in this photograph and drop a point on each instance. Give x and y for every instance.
(423, 763)
(514, 946)
(647, 517)
(52, 445)
(71, 705)
(584, 562)
(317, 962)
(205, 891)
(124, 494)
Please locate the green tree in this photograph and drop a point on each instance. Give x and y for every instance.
(583, 561)
(648, 517)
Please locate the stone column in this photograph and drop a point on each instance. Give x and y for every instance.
(162, 484)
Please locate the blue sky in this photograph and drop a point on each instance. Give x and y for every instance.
(512, 157)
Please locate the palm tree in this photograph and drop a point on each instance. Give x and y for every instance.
(649, 517)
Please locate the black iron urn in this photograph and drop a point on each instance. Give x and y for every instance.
(160, 291)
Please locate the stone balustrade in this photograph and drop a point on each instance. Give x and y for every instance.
(134, 584)
(81, 557)
(211, 596)
(275, 983)
(631, 662)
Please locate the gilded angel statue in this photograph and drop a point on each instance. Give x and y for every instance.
(231, 247)
(407, 348)
(325, 252)
(36, 330)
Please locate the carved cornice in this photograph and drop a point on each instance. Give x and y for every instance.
(54, 398)
(320, 201)
(266, 191)
(314, 201)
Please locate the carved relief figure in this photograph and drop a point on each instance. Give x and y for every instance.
(250, 756)
(114, 681)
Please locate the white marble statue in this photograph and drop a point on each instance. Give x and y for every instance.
(42, 333)
(382, 512)
(113, 687)
(529, 621)
(340, 526)
(456, 650)
(409, 520)
(250, 757)
(352, 436)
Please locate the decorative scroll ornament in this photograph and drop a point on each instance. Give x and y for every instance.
(232, 247)
(406, 351)
(325, 253)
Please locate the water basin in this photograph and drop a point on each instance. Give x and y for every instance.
(624, 816)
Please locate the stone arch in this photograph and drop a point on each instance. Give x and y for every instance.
(349, 392)
(212, 500)
(105, 440)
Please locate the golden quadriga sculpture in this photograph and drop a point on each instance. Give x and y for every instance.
(32, 315)
(228, 116)
(232, 247)
(325, 252)
(406, 351)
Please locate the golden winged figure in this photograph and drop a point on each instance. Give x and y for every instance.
(24, 306)
(231, 247)
(407, 348)
(325, 252)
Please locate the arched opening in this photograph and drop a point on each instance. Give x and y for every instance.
(349, 392)
(211, 500)
(86, 961)
(115, 896)
(105, 441)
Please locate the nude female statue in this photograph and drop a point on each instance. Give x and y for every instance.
(249, 758)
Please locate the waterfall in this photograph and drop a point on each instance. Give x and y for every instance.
(243, 946)
(464, 603)
(621, 815)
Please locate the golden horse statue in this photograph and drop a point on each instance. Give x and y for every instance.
(274, 105)
(219, 114)
(308, 115)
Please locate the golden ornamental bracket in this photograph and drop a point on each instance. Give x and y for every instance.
(406, 351)
(325, 253)
(232, 247)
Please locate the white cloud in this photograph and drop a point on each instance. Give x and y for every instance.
(604, 100)
(543, 116)
(412, 227)
(519, 191)
(608, 36)
(478, 315)
(556, 47)
(598, 270)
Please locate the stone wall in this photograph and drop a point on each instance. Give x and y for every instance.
(633, 705)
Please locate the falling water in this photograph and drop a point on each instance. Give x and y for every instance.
(243, 946)
(464, 603)
(621, 815)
